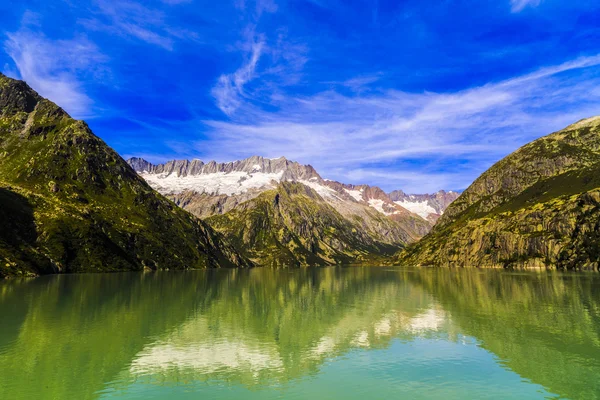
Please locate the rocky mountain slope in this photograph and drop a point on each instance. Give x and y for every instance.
(212, 189)
(69, 203)
(537, 208)
(215, 188)
(292, 225)
(428, 206)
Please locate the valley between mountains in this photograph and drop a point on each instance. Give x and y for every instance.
(280, 213)
(69, 203)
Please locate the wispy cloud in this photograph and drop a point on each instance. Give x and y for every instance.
(133, 20)
(342, 134)
(229, 89)
(399, 103)
(55, 77)
(414, 181)
(519, 5)
(281, 63)
(256, 7)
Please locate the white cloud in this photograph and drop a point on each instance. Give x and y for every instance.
(272, 66)
(519, 5)
(133, 20)
(229, 89)
(411, 180)
(53, 67)
(429, 132)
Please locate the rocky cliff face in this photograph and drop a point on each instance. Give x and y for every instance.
(537, 208)
(69, 203)
(292, 225)
(290, 170)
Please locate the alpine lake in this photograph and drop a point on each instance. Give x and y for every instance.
(314, 333)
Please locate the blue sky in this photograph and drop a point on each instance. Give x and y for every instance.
(414, 95)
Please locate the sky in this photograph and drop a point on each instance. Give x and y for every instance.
(413, 95)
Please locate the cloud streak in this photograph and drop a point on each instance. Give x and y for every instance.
(519, 5)
(133, 20)
(229, 90)
(356, 137)
(57, 78)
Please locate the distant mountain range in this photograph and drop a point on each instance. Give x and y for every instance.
(428, 206)
(249, 177)
(366, 221)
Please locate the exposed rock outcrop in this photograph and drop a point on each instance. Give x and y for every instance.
(537, 208)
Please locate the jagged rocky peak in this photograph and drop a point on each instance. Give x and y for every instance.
(139, 164)
(16, 96)
(290, 170)
(423, 204)
(360, 193)
(397, 195)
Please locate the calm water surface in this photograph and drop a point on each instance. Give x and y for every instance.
(352, 333)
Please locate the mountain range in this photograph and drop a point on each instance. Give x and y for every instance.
(282, 213)
(69, 203)
(245, 178)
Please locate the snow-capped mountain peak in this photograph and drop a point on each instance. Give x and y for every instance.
(428, 206)
(215, 178)
(245, 179)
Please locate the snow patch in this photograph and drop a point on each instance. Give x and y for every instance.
(356, 194)
(323, 191)
(421, 208)
(378, 205)
(216, 183)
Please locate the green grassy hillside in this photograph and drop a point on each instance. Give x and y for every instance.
(537, 208)
(293, 226)
(69, 203)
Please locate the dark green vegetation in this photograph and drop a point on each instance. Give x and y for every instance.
(293, 226)
(537, 208)
(69, 203)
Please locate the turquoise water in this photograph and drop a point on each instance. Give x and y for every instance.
(328, 333)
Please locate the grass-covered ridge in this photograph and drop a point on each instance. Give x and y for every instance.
(293, 226)
(69, 203)
(539, 207)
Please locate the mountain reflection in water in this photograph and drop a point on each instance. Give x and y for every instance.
(263, 332)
